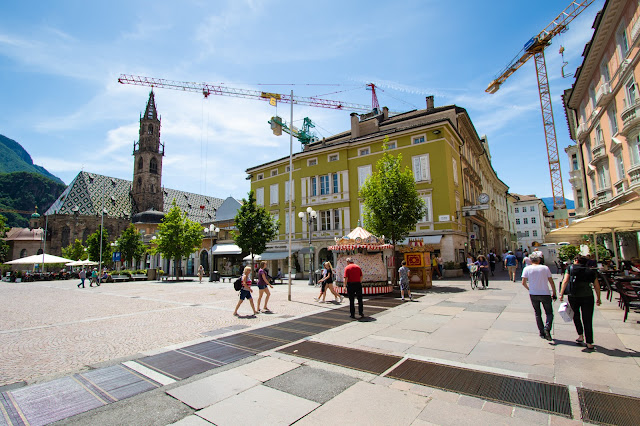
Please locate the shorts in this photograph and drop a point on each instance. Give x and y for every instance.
(245, 294)
(404, 285)
(262, 286)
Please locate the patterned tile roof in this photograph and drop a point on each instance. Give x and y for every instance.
(90, 192)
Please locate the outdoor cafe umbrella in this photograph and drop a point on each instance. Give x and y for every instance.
(37, 259)
(82, 263)
(623, 217)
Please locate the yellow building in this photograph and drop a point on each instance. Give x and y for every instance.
(328, 174)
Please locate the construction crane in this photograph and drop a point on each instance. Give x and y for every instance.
(304, 135)
(212, 89)
(535, 48)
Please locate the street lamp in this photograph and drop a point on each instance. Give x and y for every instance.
(101, 228)
(310, 215)
(114, 249)
(211, 230)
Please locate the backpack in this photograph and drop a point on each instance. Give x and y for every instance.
(579, 281)
(237, 284)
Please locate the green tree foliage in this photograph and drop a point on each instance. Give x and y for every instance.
(392, 206)
(255, 227)
(178, 236)
(75, 251)
(603, 253)
(568, 253)
(130, 244)
(24, 191)
(4, 246)
(93, 247)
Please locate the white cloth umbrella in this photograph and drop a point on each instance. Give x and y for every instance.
(82, 263)
(38, 259)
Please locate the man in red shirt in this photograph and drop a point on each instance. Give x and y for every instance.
(353, 278)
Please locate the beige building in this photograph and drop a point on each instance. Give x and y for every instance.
(603, 112)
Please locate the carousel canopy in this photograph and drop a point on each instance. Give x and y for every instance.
(360, 238)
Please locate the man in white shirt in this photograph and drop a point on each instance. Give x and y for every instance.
(537, 279)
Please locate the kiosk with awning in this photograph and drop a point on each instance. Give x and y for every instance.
(227, 259)
(367, 251)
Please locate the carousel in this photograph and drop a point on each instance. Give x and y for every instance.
(368, 252)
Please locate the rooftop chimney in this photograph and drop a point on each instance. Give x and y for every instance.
(355, 125)
(430, 103)
(385, 113)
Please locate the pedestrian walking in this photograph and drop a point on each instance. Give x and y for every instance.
(327, 283)
(440, 265)
(492, 262)
(511, 263)
(404, 280)
(353, 278)
(483, 267)
(264, 281)
(537, 279)
(577, 283)
(94, 277)
(200, 273)
(434, 267)
(245, 291)
(519, 257)
(82, 275)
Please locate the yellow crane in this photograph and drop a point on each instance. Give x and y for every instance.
(535, 48)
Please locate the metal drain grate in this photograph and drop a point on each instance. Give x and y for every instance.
(533, 394)
(608, 408)
(357, 359)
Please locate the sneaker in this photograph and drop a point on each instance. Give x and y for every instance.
(402, 298)
(547, 335)
(316, 299)
(341, 298)
(352, 316)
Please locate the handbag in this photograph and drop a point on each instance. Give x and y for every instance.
(565, 311)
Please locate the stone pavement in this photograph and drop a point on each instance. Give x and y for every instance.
(489, 330)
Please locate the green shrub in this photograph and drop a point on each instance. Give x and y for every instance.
(568, 253)
(451, 265)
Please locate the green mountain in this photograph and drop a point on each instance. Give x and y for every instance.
(14, 158)
(23, 191)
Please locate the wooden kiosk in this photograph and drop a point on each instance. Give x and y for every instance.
(367, 251)
(418, 258)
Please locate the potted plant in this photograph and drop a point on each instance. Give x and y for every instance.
(18, 276)
(452, 270)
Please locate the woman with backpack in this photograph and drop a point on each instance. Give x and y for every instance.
(577, 283)
(245, 290)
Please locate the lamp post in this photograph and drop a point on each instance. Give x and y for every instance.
(309, 216)
(211, 230)
(101, 229)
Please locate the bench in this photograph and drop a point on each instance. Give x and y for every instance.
(226, 278)
(139, 277)
(119, 278)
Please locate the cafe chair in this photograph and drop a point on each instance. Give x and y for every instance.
(628, 299)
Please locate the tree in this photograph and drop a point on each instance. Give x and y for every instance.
(4, 246)
(93, 246)
(392, 206)
(255, 227)
(130, 244)
(75, 251)
(568, 253)
(178, 236)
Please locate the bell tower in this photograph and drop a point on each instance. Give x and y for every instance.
(146, 188)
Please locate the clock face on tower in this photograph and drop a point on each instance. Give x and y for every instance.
(483, 198)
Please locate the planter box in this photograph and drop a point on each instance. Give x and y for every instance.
(452, 273)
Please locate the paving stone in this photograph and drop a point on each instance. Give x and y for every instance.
(205, 392)
(192, 420)
(448, 413)
(313, 384)
(470, 401)
(445, 396)
(531, 416)
(502, 409)
(266, 368)
(368, 404)
(260, 405)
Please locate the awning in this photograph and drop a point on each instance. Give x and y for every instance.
(220, 249)
(269, 255)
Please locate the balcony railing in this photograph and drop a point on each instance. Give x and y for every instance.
(630, 117)
(604, 194)
(603, 94)
(598, 152)
(581, 132)
(635, 31)
(634, 178)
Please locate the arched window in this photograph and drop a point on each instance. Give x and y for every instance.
(39, 251)
(153, 166)
(150, 129)
(85, 235)
(140, 164)
(23, 253)
(139, 184)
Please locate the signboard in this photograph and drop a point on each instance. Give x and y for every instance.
(476, 207)
(472, 235)
(444, 218)
(116, 256)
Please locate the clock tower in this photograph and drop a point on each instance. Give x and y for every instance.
(146, 187)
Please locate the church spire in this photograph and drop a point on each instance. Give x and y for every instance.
(151, 113)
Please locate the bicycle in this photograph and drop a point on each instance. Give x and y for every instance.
(473, 272)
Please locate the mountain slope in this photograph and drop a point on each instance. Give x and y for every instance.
(14, 158)
(23, 191)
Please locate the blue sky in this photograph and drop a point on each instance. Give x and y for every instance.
(59, 63)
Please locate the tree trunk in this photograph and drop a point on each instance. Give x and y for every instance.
(395, 264)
